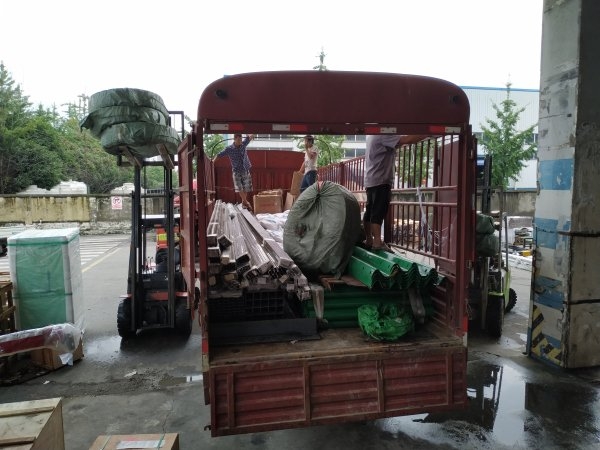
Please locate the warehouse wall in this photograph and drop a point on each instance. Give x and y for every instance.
(96, 214)
(92, 213)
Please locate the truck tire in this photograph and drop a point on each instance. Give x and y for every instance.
(495, 315)
(183, 318)
(512, 300)
(124, 319)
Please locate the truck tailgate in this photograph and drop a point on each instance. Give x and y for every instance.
(338, 378)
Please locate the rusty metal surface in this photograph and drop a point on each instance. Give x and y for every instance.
(343, 102)
(325, 391)
(260, 388)
(270, 170)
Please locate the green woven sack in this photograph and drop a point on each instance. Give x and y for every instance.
(385, 322)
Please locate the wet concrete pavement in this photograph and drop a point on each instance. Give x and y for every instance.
(153, 384)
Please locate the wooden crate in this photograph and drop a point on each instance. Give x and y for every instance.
(32, 425)
(50, 359)
(167, 441)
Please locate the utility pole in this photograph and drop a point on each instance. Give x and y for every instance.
(321, 67)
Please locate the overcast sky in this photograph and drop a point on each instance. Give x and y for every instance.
(57, 50)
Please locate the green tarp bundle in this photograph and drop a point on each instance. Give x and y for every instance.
(103, 118)
(486, 242)
(322, 228)
(142, 138)
(385, 322)
(131, 118)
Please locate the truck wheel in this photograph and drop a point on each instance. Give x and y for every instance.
(495, 315)
(512, 300)
(124, 319)
(183, 318)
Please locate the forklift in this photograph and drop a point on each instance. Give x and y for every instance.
(490, 293)
(156, 289)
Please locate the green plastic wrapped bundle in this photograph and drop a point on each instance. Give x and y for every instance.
(127, 97)
(99, 120)
(322, 228)
(386, 322)
(486, 241)
(134, 119)
(140, 137)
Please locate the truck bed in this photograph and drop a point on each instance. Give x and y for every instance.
(341, 377)
(333, 342)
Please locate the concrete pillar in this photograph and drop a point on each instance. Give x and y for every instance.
(565, 307)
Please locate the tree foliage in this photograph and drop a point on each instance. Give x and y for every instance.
(88, 162)
(508, 147)
(41, 147)
(213, 144)
(34, 158)
(415, 163)
(330, 148)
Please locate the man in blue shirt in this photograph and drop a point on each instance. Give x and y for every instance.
(240, 165)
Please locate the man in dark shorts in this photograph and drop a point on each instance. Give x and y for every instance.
(240, 165)
(379, 178)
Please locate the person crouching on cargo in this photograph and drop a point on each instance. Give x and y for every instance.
(240, 165)
(309, 165)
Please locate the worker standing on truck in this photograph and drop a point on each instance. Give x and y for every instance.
(309, 165)
(240, 165)
(379, 177)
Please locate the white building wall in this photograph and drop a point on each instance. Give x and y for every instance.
(482, 100)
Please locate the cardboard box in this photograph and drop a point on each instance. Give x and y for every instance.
(267, 203)
(50, 359)
(32, 425)
(165, 441)
(289, 201)
(296, 183)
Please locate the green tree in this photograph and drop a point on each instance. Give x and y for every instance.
(213, 144)
(14, 106)
(34, 157)
(88, 162)
(415, 163)
(508, 147)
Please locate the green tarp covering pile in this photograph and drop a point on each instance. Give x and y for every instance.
(131, 118)
(322, 228)
(486, 242)
(386, 322)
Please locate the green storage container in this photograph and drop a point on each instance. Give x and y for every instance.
(45, 269)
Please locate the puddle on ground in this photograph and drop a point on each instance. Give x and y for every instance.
(507, 410)
(115, 348)
(169, 381)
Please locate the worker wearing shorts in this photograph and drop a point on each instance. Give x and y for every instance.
(380, 157)
(240, 165)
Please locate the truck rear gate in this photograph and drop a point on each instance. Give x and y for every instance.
(343, 376)
(336, 379)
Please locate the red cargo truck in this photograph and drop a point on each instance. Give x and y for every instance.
(338, 375)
